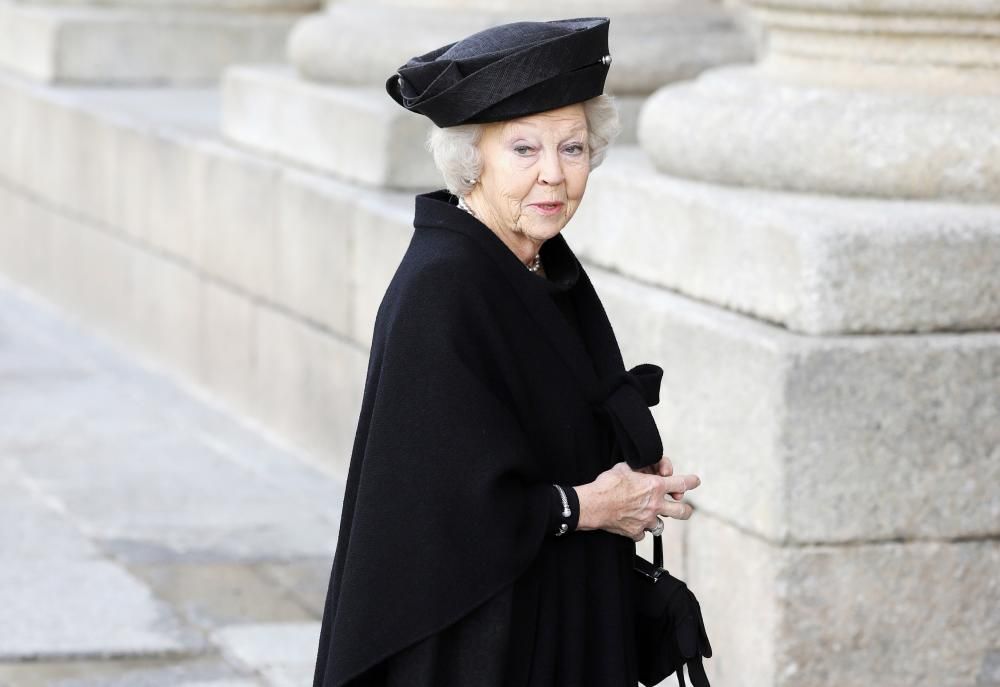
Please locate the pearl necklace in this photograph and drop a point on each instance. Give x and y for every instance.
(536, 262)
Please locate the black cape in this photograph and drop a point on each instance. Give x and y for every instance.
(486, 384)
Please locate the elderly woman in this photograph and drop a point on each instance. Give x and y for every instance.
(505, 461)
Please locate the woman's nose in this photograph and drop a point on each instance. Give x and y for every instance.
(551, 172)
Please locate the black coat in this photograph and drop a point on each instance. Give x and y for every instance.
(487, 383)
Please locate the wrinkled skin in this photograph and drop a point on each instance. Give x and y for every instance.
(627, 502)
(540, 158)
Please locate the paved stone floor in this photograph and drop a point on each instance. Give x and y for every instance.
(147, 538)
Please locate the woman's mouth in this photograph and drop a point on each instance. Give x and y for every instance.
(547, 208)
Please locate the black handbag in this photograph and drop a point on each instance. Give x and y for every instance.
(669, 630)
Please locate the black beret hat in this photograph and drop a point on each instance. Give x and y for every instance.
(506, 71)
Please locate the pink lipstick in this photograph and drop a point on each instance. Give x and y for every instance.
(547, 208)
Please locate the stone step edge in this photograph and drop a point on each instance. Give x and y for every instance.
(817, 264)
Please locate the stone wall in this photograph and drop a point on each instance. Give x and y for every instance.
(809, 246)
(131, 42)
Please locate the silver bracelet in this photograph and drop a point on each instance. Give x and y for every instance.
(566, 512)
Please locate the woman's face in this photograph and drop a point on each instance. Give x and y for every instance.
(534, 174)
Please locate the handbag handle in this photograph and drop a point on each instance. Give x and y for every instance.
(658, 550)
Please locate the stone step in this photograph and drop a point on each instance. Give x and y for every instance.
(354, 132)
(824, 615)
(128, 156)
(87, 44)
(813, 263)
(203, 5)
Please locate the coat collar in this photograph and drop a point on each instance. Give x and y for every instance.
(439, 209)
(597, 366)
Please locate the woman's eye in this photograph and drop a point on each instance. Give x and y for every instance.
(574, 149)
(522, 150)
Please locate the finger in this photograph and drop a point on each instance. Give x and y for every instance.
(678, 511)
(665, 467)
(678, 484)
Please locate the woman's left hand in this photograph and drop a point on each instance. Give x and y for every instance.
(665, 468)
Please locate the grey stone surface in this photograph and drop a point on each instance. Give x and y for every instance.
(239, 209)
(206, 5)
(901, 614)
(125, 672)
(323, 45)
(306, 581)
(208, 328)
(84, 43)
(166, 170)
(735, 578)
(906, 431)
(228, 349)
(820, 439)
(211, 595)
(78, 607)
(295, 239)
(308, 385)
(294, 675)
(938, 601)
(303, 238)
(354, 132)
(734, 126)
(137, 499)
(138, 147)
(32, 527)
(180, 519)
(279, 651)
(315, 252)
(197, 328)
(384, 228)
(930, 47)
(812, 263)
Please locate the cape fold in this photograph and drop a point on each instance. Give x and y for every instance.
(470, 505)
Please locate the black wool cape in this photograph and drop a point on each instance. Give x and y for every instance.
(486, 384)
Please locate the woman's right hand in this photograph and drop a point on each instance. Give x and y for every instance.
(627, 502)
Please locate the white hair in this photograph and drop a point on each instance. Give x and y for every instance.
(457, 156)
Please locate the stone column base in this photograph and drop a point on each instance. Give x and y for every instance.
(116, 46)
(813, 263)
(737, 126)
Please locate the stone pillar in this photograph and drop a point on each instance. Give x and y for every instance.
(831, 219)
(899, 104)
(135, 42)
(329, 109)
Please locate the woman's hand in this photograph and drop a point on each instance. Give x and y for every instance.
(665, 468)
(627, 502)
